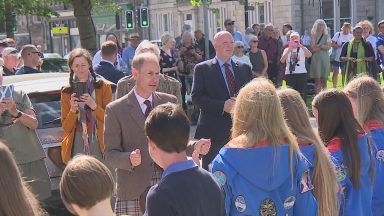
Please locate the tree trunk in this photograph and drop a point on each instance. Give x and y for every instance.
(9, 21)
(82, 11)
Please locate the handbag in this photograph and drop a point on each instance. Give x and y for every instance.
(318, 41)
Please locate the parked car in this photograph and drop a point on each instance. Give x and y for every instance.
(54, 62)
(44, 91)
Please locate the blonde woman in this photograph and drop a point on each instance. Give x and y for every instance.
(367, 101)
(322, 171)
(320, 62)
(15, 199)
(261, 169)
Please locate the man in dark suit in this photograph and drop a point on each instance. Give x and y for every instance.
(126, 148)
(216, 84)
(106, 67)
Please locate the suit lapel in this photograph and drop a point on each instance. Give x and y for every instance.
(236, 72)
(217, 70)
(134, 109)
(156, 100)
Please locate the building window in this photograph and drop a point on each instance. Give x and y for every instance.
(261, 14)
(345, 11)
(327, 14)
(36, 19)
(188, 17)
(165, 23)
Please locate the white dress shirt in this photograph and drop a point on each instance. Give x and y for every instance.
(141, 101)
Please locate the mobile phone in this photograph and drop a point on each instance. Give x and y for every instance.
(6, 91)
(80, 88)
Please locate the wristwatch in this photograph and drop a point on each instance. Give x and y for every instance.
(19, 114)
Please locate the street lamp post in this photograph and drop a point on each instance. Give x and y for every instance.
(206, 28)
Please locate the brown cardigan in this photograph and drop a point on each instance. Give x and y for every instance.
(68, 119)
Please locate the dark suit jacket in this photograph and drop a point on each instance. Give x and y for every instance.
(123, 133)
(109, 72)
(209, 93)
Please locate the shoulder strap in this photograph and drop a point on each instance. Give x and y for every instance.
(321, 37)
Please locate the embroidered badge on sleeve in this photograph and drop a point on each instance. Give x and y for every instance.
(289, 202)
(220, 177)
(340, 173)
(380, 155)
(306, 183)
(267, 208)
(240, 204)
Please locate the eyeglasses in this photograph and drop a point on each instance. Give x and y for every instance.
(240, 47)
(229, 24)
(41, 55)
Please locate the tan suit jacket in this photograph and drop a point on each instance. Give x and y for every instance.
(123, 133)
(167, 85)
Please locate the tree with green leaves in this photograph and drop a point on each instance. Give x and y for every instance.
(10, 8)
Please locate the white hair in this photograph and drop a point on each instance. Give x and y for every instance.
(251, 38)
(187, 34)
(146, 46)
(237, 43)
(315, 25)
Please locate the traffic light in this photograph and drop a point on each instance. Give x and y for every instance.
(144, 18)
(117, 21)
(129, 19)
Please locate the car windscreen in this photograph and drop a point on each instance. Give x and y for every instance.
(47, 108)
(54, 65)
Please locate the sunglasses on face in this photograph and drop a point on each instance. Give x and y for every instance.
(228, 24)
(240, 47)
(41, 55)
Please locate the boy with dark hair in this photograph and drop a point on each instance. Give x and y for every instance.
(184, 188)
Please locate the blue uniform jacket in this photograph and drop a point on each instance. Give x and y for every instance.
(258, 181)
(309, 152)
(354, 201)
(376, 132)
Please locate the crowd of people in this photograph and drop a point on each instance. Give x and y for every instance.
(259, 152)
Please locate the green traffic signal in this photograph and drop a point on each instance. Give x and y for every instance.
(129, 19)
(144, 17)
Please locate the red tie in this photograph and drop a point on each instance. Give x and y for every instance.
(230, 80)
(149, 107)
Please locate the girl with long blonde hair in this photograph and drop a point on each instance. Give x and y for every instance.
(367, 101)
(348, 145)
(261, 169)
(322, 171)
(15, 199)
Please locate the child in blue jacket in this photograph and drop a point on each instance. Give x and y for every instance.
(367, 101)
(261, 169)
(320, 165)
(346, 141)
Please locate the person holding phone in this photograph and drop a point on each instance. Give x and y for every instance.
(82, 108)
(295, 72)
(18, 124)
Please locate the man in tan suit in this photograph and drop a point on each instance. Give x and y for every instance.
(167, 84)
(126, 147)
